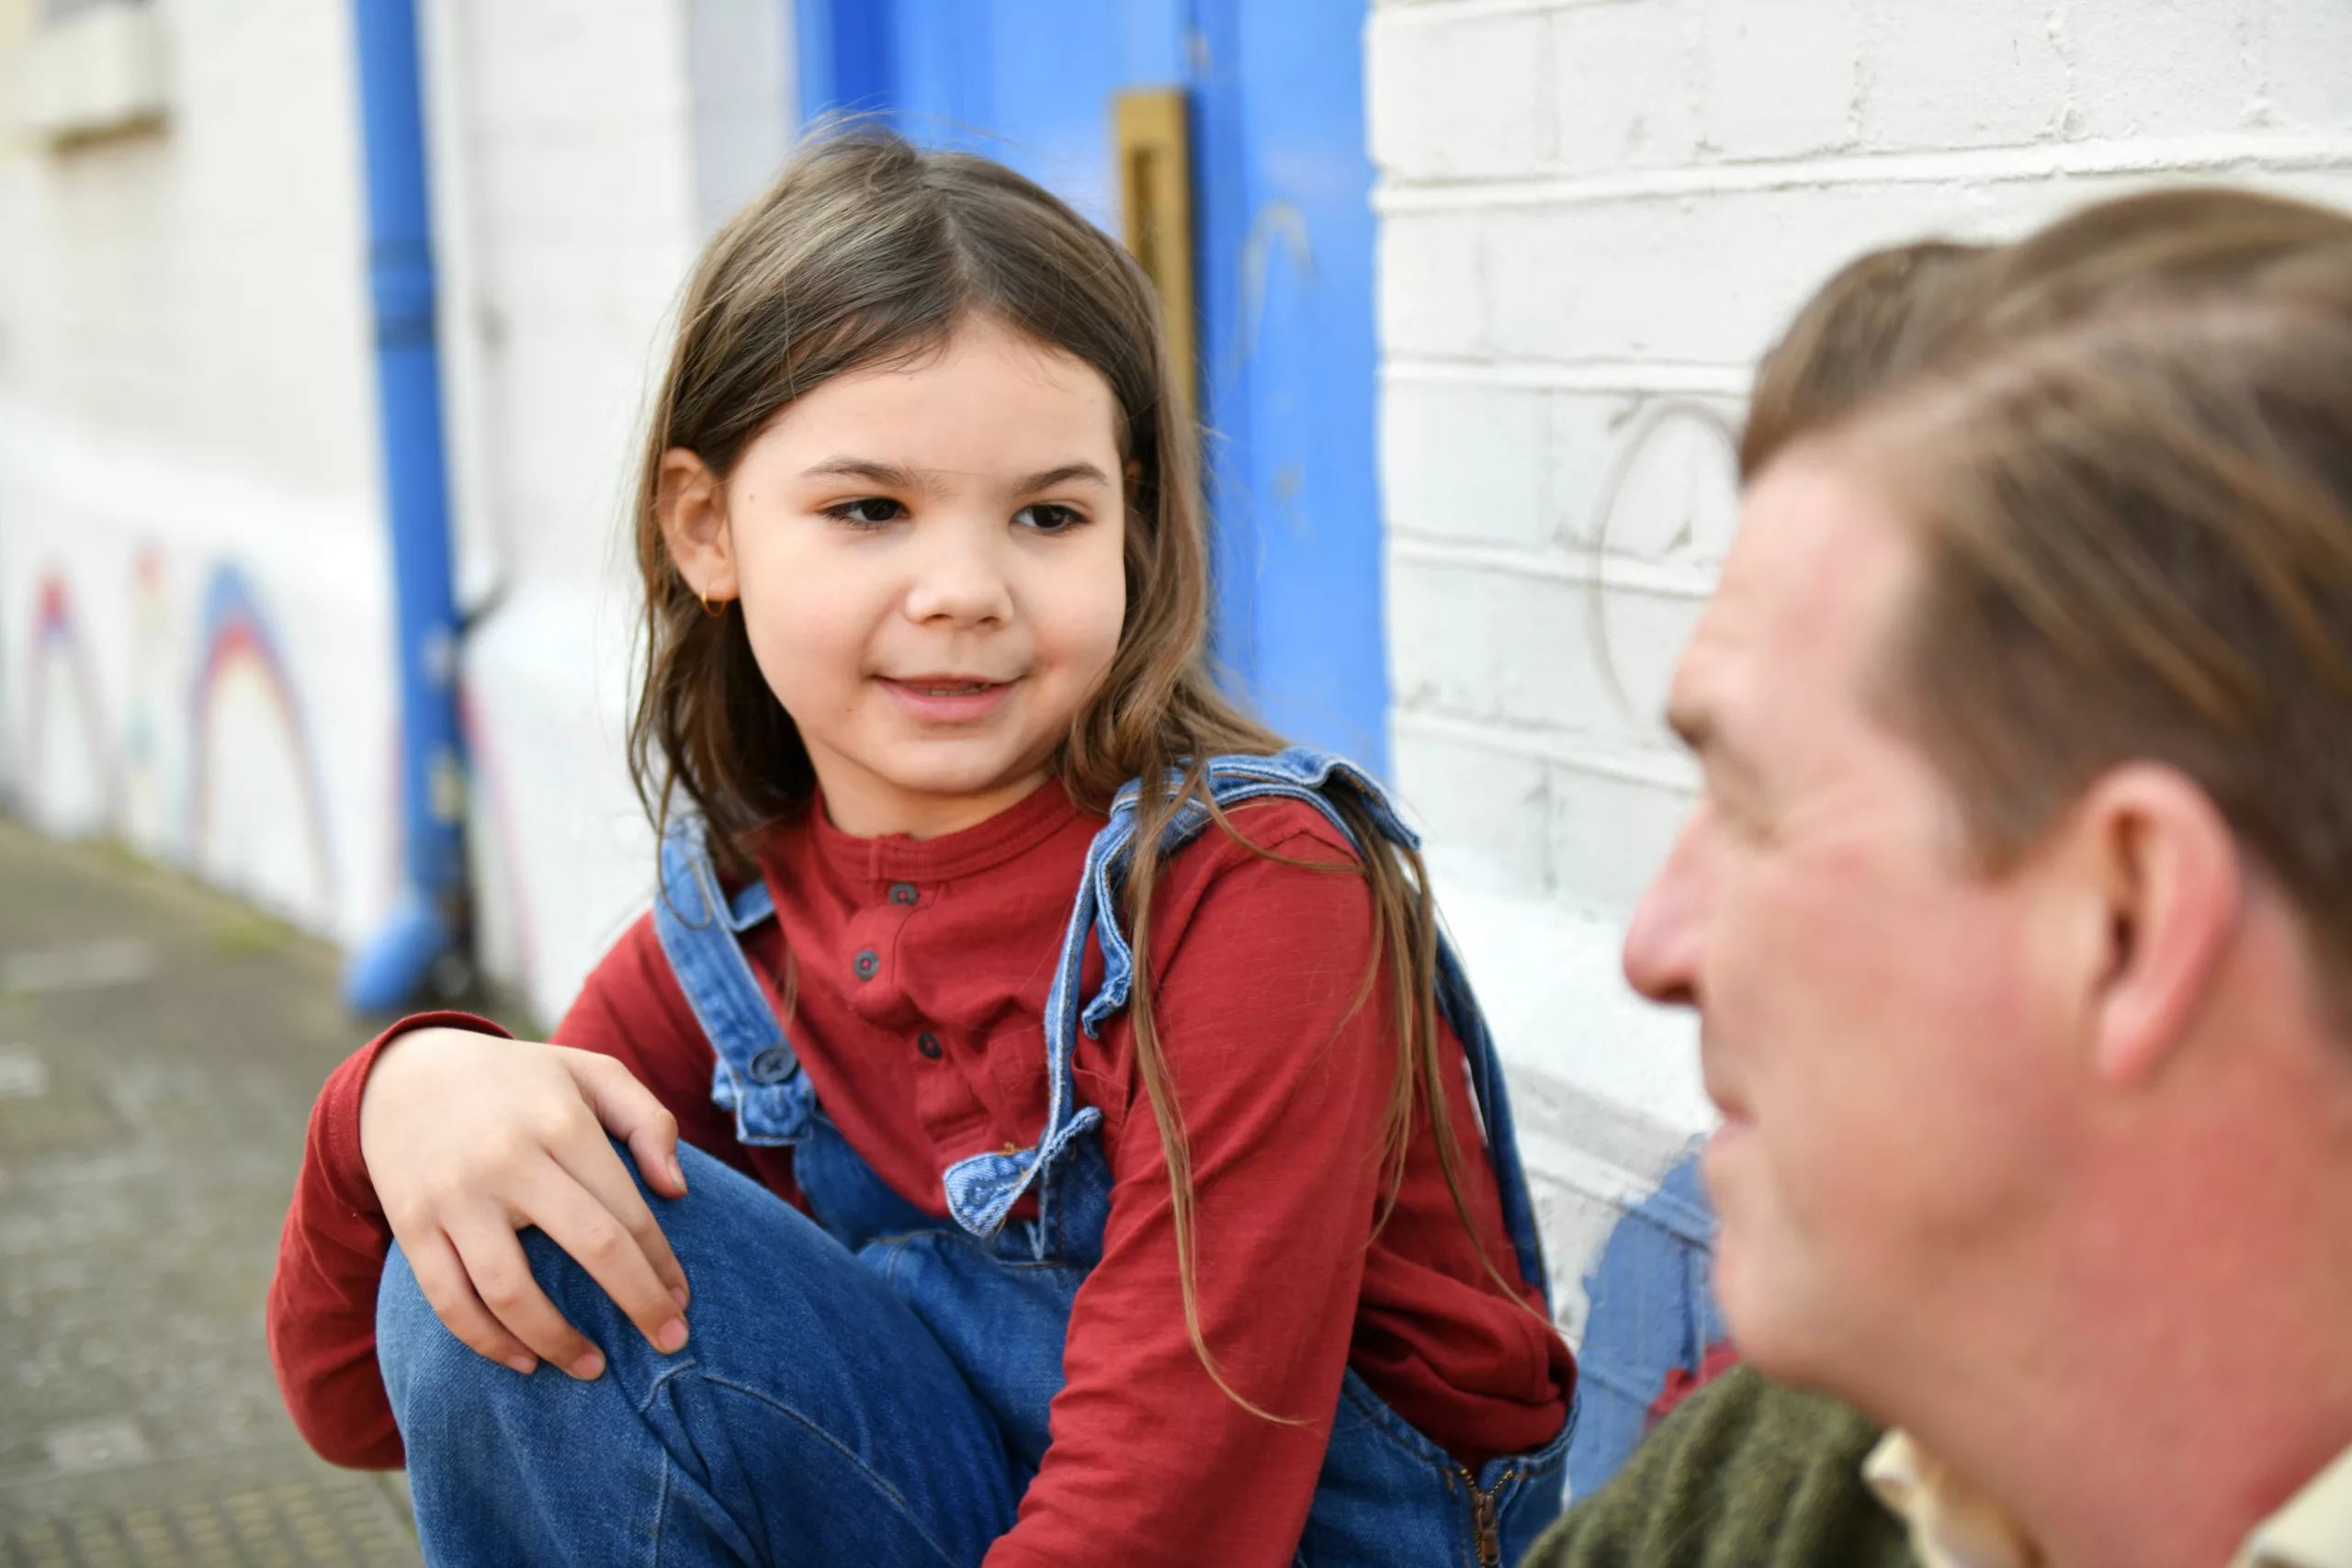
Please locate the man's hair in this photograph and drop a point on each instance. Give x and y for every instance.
(1857, 333)
(2126, 443)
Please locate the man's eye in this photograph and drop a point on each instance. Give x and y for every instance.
(867, 511)
(1047, 518)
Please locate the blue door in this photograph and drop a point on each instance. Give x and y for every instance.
(1282, 269)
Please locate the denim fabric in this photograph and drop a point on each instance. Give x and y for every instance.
(982, 1190)
(873, 1386)
(757, 1075)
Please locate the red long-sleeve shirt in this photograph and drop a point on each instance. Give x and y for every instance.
(1283, 1079)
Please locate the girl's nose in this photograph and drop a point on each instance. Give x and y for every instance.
(960, 576)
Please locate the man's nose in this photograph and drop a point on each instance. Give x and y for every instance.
(959, 575)
(1665, 942)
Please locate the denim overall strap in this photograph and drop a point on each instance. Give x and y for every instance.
(757, 1074)
(1461, 1009)
(981, 1190)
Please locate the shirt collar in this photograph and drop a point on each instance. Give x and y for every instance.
(900, 857)
(2314, 1530)
(1954, 1526)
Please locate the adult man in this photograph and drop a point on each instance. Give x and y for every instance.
(2018, 913)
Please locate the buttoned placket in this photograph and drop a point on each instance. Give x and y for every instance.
(872, 961)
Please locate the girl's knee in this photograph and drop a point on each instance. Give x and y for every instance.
(419, 1356)
(745, 1251)
(417, 1349)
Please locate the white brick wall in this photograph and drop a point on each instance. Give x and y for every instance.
(186, 383)
(1594, 214)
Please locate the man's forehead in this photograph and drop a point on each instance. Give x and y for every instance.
(1815, 572)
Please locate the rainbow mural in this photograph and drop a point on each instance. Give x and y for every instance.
(239, 649)
(57, 640)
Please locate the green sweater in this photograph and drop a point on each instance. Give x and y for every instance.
(1743, 1474)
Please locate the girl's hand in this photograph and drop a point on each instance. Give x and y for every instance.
(469, 1138)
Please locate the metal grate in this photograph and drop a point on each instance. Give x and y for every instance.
(328, 1521)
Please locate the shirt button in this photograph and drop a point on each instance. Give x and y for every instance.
(772, 1065)
(865, 964)
(928, 1043)
(903, 892)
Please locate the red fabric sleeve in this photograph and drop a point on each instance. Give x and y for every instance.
(321, 1307)
(1282, 1077)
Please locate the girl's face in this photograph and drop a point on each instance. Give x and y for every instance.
(929, 561)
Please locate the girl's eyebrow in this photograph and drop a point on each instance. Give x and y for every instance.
(896, 476)
(1047, 479)
(891, 476)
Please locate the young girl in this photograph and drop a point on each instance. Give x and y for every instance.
(1091, 1151)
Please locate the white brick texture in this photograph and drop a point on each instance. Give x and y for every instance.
(1780, 81)
(2306, 84)
(1458, 98)
(1432, 286)
(1594, 216)
(1464, 462)
(2163, 67)
(1988, 75)
(1623, 87)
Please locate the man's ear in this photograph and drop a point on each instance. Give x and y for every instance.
(2170, 878)
(691, 505)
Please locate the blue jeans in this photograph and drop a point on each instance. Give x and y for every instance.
(826, 1411)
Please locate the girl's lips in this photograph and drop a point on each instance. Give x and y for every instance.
(946, 699)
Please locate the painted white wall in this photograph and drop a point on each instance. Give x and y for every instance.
(592, 154)
(186, 383)
(185, 388)
(563, 233)
(1594, 214)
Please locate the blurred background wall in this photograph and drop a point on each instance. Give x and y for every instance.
(1477, 285)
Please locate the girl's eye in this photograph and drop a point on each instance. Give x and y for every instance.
(1047, 518)
(866, 512)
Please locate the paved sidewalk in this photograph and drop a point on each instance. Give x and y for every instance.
(159, 1049)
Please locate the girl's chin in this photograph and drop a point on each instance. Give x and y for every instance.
(924, 789)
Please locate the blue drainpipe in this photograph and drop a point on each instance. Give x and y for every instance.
(428, 934)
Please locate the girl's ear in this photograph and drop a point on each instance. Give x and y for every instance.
(691, 505)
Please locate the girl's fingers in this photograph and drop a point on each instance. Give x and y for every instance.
(494, 1258)
(590, 1161)
(443, 1280)
(631, 1114)
(577, 1220)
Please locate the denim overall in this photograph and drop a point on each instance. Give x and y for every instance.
(992, 1295)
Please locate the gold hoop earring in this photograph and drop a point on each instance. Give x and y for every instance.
(712, 611)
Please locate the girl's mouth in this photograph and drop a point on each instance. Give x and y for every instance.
(946, 699)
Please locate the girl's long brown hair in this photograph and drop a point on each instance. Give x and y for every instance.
(869, 251)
